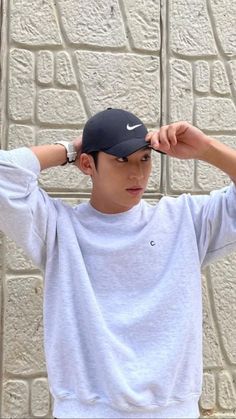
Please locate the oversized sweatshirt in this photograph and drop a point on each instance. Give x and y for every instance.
(122, 293)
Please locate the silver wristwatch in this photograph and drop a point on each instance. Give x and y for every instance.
(70, 151)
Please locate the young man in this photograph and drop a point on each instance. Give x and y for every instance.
(122, 302)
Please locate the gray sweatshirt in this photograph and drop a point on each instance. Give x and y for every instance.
(122, 293)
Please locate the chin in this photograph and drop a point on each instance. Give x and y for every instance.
(134, 200)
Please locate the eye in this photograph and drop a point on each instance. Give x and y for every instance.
(146, 157)
(122, 159)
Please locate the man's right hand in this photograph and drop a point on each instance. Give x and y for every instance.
(78, 145)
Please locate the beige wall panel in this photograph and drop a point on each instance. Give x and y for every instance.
(201, 83)
(164, 60)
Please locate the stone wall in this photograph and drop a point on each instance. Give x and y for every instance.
(64, 60)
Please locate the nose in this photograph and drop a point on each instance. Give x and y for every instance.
(136, 171)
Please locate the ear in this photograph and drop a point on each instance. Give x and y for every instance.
(86, 164)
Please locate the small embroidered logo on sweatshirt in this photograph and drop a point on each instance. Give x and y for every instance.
(152, 243)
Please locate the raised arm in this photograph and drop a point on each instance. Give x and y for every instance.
(184, 141)
(53, 154)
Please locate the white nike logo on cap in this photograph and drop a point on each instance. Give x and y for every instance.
(129, 128)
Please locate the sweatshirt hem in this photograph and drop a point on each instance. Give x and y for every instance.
(74, 408)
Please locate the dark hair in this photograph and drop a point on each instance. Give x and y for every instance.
(94, 155)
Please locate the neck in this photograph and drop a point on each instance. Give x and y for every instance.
(102, 205)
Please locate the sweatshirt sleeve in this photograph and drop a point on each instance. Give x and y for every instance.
(214, 218)
(24, 207)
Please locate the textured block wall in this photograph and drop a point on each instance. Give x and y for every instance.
(64, 60)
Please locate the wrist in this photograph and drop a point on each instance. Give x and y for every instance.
(209, 150)
(71, 152)
(213, 152)
(221, 156)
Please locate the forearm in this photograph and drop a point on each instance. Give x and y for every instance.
(50, 155)
(221, 156)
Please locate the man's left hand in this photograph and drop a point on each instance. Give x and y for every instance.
(181, 140)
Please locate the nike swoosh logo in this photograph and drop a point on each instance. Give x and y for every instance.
(129, 128)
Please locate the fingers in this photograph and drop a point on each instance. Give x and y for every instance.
(153, 138)
(172, 134)
(163, 139)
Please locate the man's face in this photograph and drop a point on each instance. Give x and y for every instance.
(119, 183)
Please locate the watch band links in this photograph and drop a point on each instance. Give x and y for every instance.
(71, 152)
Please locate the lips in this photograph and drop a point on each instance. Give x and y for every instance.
(135, 190)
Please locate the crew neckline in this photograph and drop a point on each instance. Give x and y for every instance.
(117, 215)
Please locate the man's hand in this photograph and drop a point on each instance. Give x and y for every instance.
(78, 145)
(184, 141)
(181, 140)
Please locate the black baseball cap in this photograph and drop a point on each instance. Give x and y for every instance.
(114, 131)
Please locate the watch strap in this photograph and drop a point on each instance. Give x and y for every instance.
(71, 152)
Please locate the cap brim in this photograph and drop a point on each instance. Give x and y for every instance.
(128, 147)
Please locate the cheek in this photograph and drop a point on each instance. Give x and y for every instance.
(110, 181)
(147, 170)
